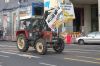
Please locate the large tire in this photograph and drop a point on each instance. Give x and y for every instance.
(81, 42)
(41, 47)
(59, 47)
(22, 43)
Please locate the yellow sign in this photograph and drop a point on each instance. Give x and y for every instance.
(68, 12)
(57, 23)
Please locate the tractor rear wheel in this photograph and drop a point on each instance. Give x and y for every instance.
(41, 47)
(22, 43)
(59, 47)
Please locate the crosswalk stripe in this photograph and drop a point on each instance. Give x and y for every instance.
(46, 64)
(4, 56)
(71, 59)
(6, 46)
(23, 55)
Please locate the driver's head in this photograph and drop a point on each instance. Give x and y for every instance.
(24, 22)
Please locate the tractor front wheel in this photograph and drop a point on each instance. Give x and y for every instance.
(22, 43)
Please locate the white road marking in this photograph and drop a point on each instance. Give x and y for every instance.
(76, 51)
(13, 51)
(82, 50)
(29, 56)
(87, 57)
(4, 56)
(0, 63)
(71, 59)
(9, 49)
(6, 46)
(46, 64)
(23, 55)
(70, 51)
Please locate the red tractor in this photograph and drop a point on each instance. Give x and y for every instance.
(35, 32)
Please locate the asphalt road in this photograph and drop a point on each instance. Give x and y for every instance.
(73, 55)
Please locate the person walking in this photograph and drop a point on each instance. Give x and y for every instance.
(1, 34)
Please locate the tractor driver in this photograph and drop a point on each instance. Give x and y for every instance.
(29, 26)
(23, 24)
(33, 25)
(34, 29)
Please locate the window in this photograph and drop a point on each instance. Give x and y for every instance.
(92, 34)
(21, 1)
(98, 34)
(7, 1)
(94, 17)
(25, 0)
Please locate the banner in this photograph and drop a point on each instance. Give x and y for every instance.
(68, 12)
(61, 13)
(53, 19)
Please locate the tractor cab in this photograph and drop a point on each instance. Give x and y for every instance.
(29, 24)
(33, 23)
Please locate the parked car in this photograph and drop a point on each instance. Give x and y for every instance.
(93, 37)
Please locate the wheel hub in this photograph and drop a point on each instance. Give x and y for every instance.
(21, 43)
(39, 47)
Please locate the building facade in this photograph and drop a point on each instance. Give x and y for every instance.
(87, 13)
(10, 13)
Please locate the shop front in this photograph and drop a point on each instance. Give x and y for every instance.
(86, 13)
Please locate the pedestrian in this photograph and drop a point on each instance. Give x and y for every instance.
(68, 39)
(1, 34)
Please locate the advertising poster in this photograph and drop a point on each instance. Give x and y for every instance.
(53, 19)
(68, 11)
(62, 12)
(48, 4)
